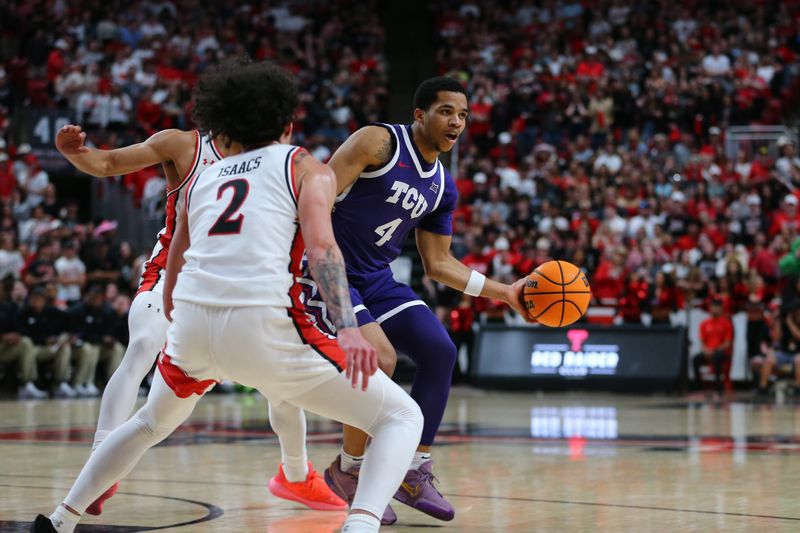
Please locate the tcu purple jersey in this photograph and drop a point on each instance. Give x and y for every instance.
(372, 218)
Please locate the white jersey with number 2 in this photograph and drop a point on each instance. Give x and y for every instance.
(244, 206)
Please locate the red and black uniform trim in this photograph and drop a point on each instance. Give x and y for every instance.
(325, 345)
(216, 151)
(289, 173)
(153, 269)
(181, 383)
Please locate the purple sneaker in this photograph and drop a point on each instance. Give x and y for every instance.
(344, 484)
(417, 491)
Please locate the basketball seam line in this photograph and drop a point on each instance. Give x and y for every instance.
(550, 280)
(574, 278)
(548, 308)
(576, 306)
(535, 293)
(563, 295)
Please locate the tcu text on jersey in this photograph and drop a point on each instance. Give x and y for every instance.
(412, 199)
(373, 217)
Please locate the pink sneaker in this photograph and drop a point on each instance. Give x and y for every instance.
(96, 508)
(312, 492)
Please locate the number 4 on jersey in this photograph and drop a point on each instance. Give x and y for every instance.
(387, 230)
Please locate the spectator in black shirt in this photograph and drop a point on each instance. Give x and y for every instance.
(121, 306)
(102, 264)
(47, 327)
(50, 203)
(93, 324)
(14, 348)
(42, 269)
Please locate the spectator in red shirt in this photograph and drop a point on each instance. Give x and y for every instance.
(662, 298)
(55, 60)
(590, 67)
(461, 319)
(764, 260)
(8, 182)
(476, 260)
(788, 218)
(610, 276)
(716, 337)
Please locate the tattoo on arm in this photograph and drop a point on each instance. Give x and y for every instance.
(384, 153)
(302, 154)
(329, 273)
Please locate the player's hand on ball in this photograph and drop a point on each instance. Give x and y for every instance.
(362, 359)
(517, 301)
(69, 140)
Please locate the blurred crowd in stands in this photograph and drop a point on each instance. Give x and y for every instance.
(125, 70)
(597, 134)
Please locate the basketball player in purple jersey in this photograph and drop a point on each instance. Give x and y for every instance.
(392, 182)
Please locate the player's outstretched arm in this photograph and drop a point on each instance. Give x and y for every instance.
(440, 265)
(101, 163)
(317, 192)
(175, 261)
(369, 147)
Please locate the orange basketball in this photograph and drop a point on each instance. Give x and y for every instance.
(556, 294)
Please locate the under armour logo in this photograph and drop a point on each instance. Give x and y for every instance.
(435, 187)
(209, 161)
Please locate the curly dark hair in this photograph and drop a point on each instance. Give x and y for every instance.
(250, 103)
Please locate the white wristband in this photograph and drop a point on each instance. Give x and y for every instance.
(475, 284)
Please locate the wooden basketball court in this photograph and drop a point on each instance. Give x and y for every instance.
(508, 461)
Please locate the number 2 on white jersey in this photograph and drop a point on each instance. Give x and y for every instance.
(387, 230)
(226, 224)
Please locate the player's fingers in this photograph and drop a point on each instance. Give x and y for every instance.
(348, 371)
(373, 362)
(365, 381)
(354, 374)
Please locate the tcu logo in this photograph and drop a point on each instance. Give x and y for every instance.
(412, 199)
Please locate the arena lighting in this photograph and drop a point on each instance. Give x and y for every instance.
(589, 422)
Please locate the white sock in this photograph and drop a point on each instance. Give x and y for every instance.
(289, 423)
(64, 521)
(295, 468)
(349, 461)
(419, 459)
(99, 435)
(361, 523)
